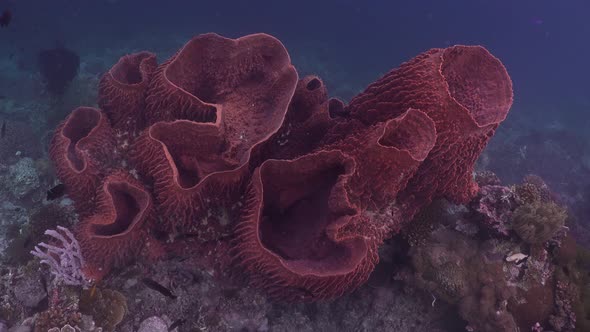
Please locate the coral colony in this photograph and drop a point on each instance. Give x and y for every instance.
(225, 143)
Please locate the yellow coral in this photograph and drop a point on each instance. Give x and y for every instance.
(108, 307)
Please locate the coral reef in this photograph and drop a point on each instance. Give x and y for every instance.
(452, 266)
(494, 283)
(221, 160)
(530, 277)
(222, 143)
(180, 185)
(527, 151)
(528, 209)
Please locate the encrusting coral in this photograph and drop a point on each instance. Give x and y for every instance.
(417, 232)
(495, 205)
(527, 193)
(308, 187)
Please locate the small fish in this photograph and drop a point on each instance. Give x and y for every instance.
(5, 18)
(56, 192)
(3, 129)
(176, 324)
(27, 242)
(158, 288)
(93, 291)
(44, 284)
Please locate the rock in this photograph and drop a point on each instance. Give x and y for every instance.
(22, 178)
(29, 291)
(518, 257)
(153, 324)
(11, 217)
(21, 328)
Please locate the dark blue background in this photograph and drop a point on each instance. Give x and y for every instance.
(544, 44)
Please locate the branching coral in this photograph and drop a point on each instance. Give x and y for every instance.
(64, 259)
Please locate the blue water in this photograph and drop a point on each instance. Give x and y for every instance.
(544, 45)
(348, 43)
